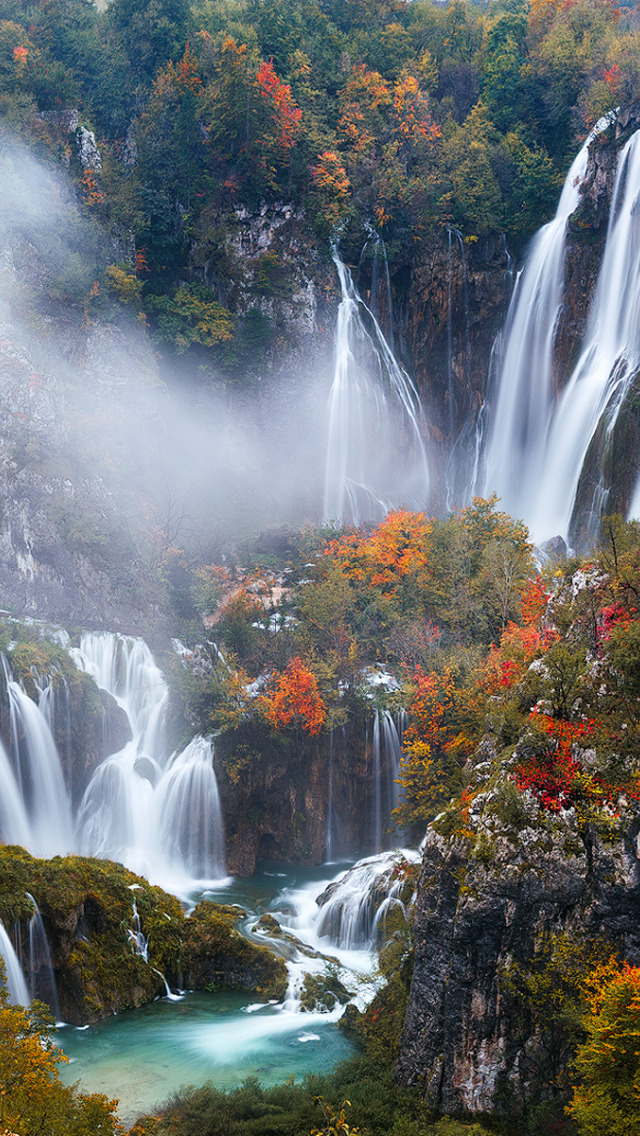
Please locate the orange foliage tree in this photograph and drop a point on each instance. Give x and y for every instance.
(435, 746)
(608, 1062)
(387, 555)
(295, 700)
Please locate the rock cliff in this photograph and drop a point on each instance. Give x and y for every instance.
(488, 898)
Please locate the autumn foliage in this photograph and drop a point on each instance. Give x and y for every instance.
(32, 1097)
(295, 700)
(388, 554)
(608, 1062)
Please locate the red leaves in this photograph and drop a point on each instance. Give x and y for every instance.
(296, 700)
(286, 115)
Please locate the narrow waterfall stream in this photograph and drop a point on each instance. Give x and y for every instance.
(374, 414)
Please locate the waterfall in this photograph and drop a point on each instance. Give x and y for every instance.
(374, 414)
(386, 756)
(16, 985)
(608, 363)
(525, 400)
(352, 907)
(158, 813)
(525, 410)
(42, 978)
(42, 819)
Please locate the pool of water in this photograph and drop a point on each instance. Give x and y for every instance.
(142, 1057)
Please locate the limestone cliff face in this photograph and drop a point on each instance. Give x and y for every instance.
(276, 798)
(485, 902)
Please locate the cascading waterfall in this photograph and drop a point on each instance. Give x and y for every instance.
(41, 816)
(525, 390)
(538, 441)
(386, 758)
(42, 978)
(16, 984)
(374, 414)
(158, 813)
(609, 361)
(351, 909)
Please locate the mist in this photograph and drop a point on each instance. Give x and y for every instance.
(95, 421)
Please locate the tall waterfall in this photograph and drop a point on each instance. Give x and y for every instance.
(386, 758)
(34, 805)
(609, 360)
(374, 415)
(537, 442)
(157, 813)
(525, 400)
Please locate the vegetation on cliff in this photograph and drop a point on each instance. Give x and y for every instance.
(410, 118)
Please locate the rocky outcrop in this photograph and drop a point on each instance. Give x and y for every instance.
(113, 941)
(215, 956)
(275, 796)
(487, 899)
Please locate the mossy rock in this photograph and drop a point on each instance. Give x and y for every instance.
(323, 991)
(87, 907)
(269, 925)
(216, 956)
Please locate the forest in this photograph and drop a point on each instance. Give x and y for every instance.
(408, 118)
(515, 672)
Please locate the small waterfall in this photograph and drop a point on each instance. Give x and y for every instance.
(139, 940)
(376, 249)
(54, 704)
(351, 908)
(37, 777)
(156, 812)
(16, 985)
(386, 757)
(374, 413)
(42, 978)
(525, 395)
(328, 848)
(608, 364)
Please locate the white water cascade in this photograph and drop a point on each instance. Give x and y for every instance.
(386, 757)
(16, 985)
(42, 978)
(156, 812)
(351, 909)
(34, 806)
(609, 360)
(525, 387)
(374, 414)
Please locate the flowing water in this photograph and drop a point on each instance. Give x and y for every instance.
(143, 1056)
(374, 415)
(537, 439)
(16, 985)
(609, 360)
(157, 812)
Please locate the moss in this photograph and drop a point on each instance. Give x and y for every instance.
(87, 906)
(323, 991)
(216, 956)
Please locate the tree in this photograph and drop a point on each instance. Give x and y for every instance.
(295, 700)
(33, 1100)
(608, 1062)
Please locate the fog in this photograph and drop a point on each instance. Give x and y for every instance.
(187, 462)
